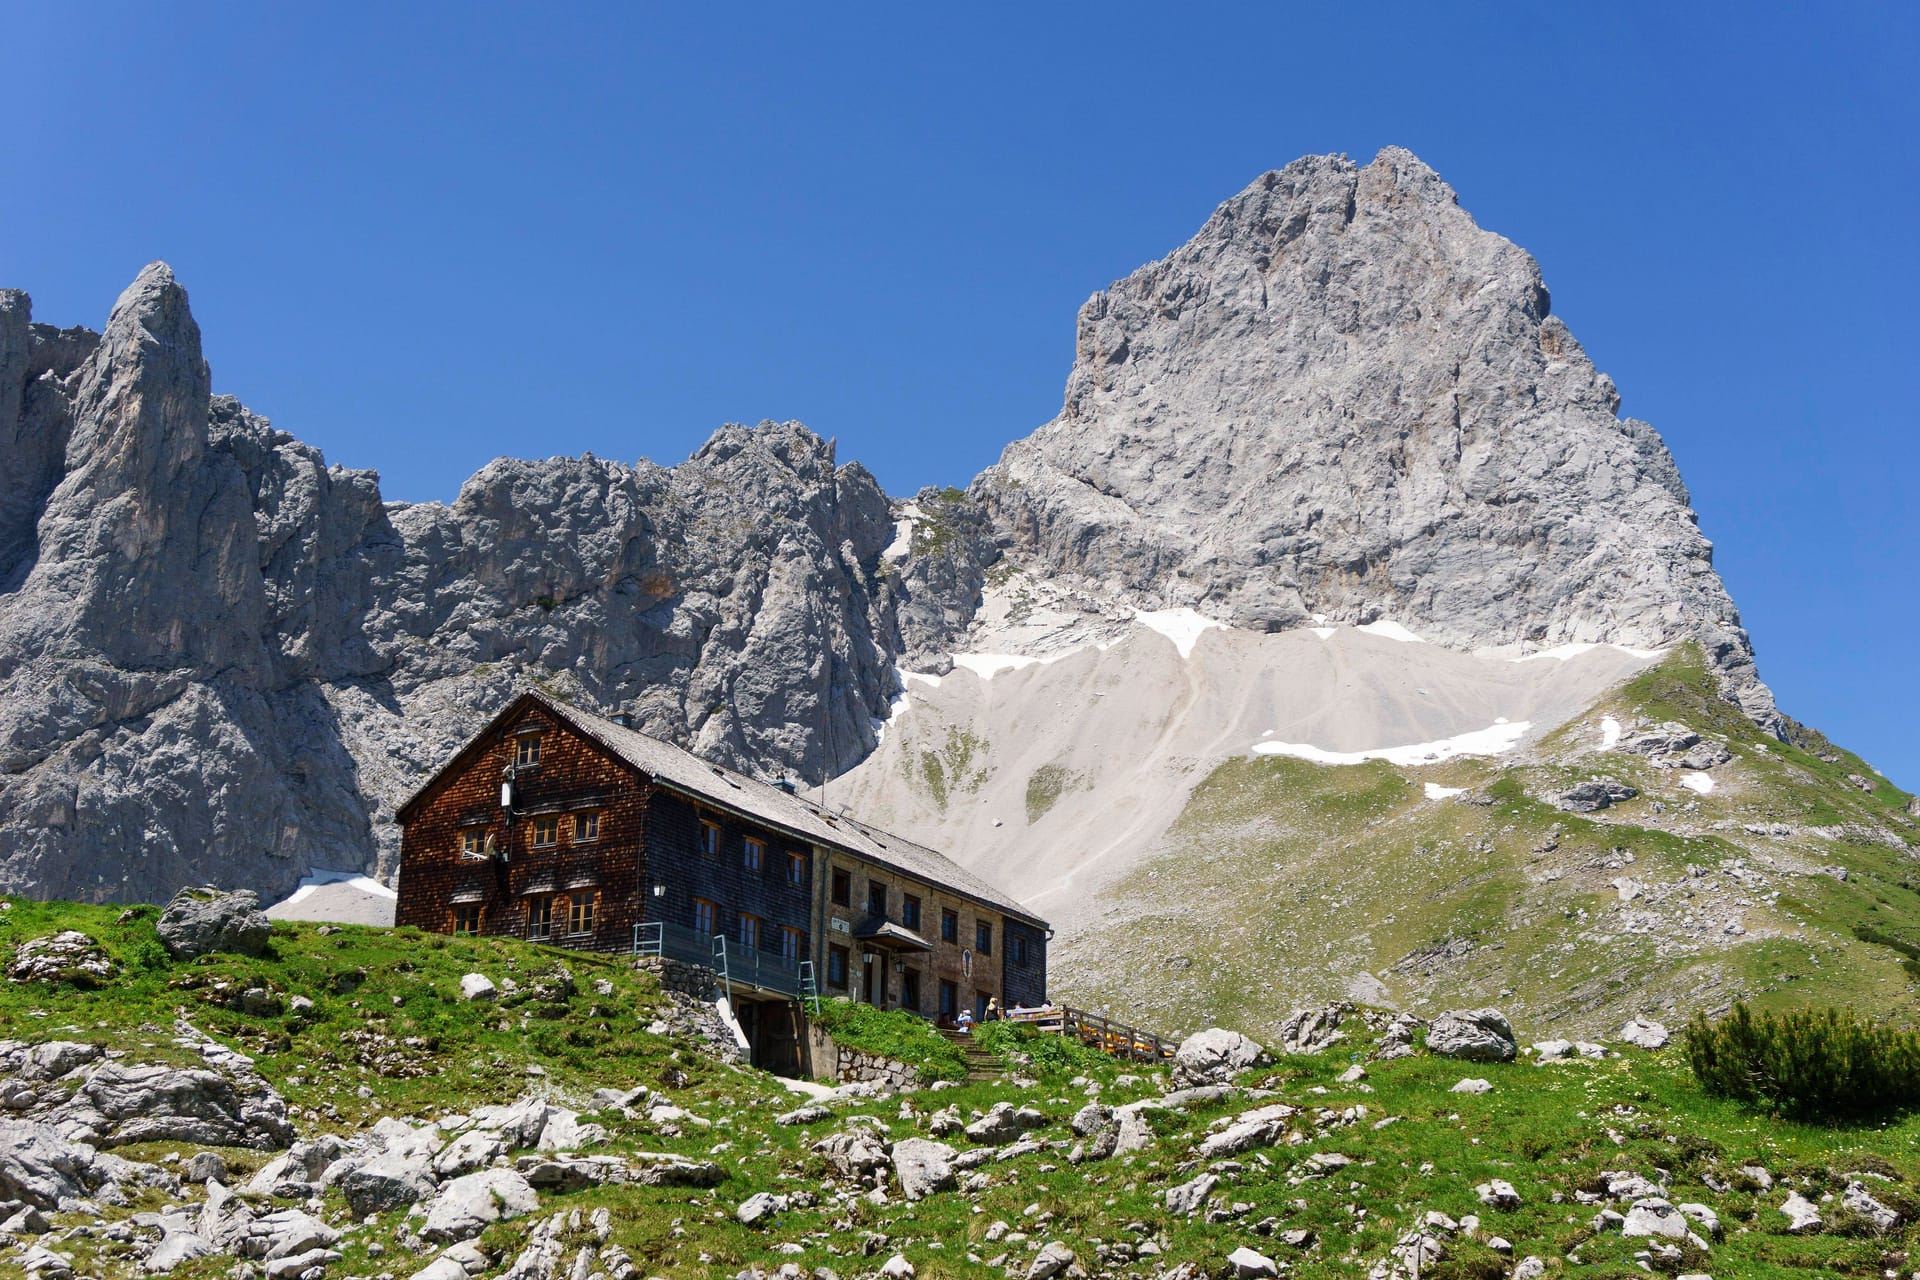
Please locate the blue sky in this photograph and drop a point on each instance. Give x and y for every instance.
(421, 237)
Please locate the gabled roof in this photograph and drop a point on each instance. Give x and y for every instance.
(681, 770)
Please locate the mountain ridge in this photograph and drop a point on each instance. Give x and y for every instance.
(223, 659)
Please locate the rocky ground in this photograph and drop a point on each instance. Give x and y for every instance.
(1361, 1142)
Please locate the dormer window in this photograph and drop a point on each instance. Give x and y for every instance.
(526, 751)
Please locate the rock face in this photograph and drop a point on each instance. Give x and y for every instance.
(1342, 397)
(222, 660)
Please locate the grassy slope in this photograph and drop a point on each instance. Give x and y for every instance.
(1286, 882)
(1547, 1130)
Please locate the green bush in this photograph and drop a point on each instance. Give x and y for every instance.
(1822, 1064)
(892, 1033)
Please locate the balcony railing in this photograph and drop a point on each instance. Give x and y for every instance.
(743, 966)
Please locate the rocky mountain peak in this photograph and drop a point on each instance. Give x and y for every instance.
(1343, 398)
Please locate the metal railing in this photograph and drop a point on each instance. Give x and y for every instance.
(737, 966)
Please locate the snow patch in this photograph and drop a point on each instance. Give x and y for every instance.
(352, 879)
(1698, 782)
(1183, 626)
(1492, 741)
(1437, 792)
(902, 543)
(1565, 652)
(1609, 733)
(1325, 633)
(1391, 630)
(926, 678)
(989, 665)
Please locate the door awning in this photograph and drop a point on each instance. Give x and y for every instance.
(892, 937)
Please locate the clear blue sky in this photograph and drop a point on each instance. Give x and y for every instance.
(423, 236)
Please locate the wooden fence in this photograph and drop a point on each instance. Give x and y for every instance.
(1103, 1033)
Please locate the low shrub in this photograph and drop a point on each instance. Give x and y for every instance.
(892, 1033)
(1825, 1064)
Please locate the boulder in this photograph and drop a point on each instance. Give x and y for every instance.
(1645, 1033)
(1091, 1119)
(1312, 1030)
(1861, 1201)
(996, 1127)
(176, 1247)
(1498, 1194)
(205, 1166)
(1215, 1056)
(760, 1207)
(473, 1150)
(1475, 1035)
(391, 1181)
(923, 1167)
(813, 1113)
(42, 1168)
(1053, 1259)
(1802, 1217)
(200, 921)
(1472, 1085)
(70, 956)
(468, 1205)
(121, 1103)
(1184, 1199)
(1593, 795)
(300, 1264)
(852, 1152)
(477, 986)
(1654, 1216)
(1248, 1264)
(283, 1234)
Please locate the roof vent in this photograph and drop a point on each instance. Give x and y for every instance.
(622, 718)
(786, 785)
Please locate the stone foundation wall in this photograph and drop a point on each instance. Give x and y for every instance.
(681, 978)
(853, 1066)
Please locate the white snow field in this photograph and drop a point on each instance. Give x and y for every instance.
(1128, 713)
(341, 897)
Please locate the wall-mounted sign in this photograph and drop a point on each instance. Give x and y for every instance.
(839, 926)
(966, 963)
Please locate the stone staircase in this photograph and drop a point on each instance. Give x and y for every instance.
(981, 1065)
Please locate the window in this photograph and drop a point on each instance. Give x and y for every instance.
(842, 887)
(980, 999)
(837, 968)
(580, 913)
(1017, 947)
(983, 938)
(473, 843)
(704, 914)
(709, 837)
(586, 827)
(793, 943)
(749, 931)
(796, 868)
(949, 998)
(755, 857)
(466, 917)
(876, 898)
(949, 925)
(910, 911)
(910, 990)
(540, 917)
(526, 751)
(546, 832)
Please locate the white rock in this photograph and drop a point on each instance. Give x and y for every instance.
(1802, 1217)
(470, 1204)
(1644, 1033)
(1471, 1085)
(477, 986)
(1248, 1264)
